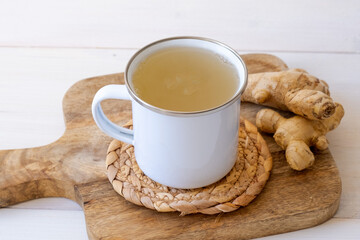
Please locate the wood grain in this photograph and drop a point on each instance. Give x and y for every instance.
(73, 167)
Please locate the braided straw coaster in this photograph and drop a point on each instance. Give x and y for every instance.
(237, 189)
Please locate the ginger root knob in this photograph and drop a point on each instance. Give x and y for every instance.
(299, 155)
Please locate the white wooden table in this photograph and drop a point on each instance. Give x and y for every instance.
(46, 46)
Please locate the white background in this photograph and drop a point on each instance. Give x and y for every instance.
(46, 46)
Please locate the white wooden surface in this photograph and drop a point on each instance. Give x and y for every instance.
(46, 46)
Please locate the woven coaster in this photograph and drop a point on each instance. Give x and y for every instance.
(237, 189)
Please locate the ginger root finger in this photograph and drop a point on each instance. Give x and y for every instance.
(311, 104)
(299, 155)
(295, 135)
(290, 90)
(268, 120)
(332, 122)
(321, 143)
(262, 95)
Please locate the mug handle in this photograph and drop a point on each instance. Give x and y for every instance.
(112, 91)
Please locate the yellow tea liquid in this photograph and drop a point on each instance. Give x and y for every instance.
(185, 79)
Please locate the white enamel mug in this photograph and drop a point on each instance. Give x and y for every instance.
(178, 149)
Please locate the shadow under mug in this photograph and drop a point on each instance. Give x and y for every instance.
(178, 149)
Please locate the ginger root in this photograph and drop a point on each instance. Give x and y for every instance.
(291, 90)
(295, 135)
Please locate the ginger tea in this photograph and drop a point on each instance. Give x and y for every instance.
(185, 79)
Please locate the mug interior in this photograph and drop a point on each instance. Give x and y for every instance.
(225, 52)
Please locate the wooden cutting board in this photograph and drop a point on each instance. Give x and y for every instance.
(74, 167)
